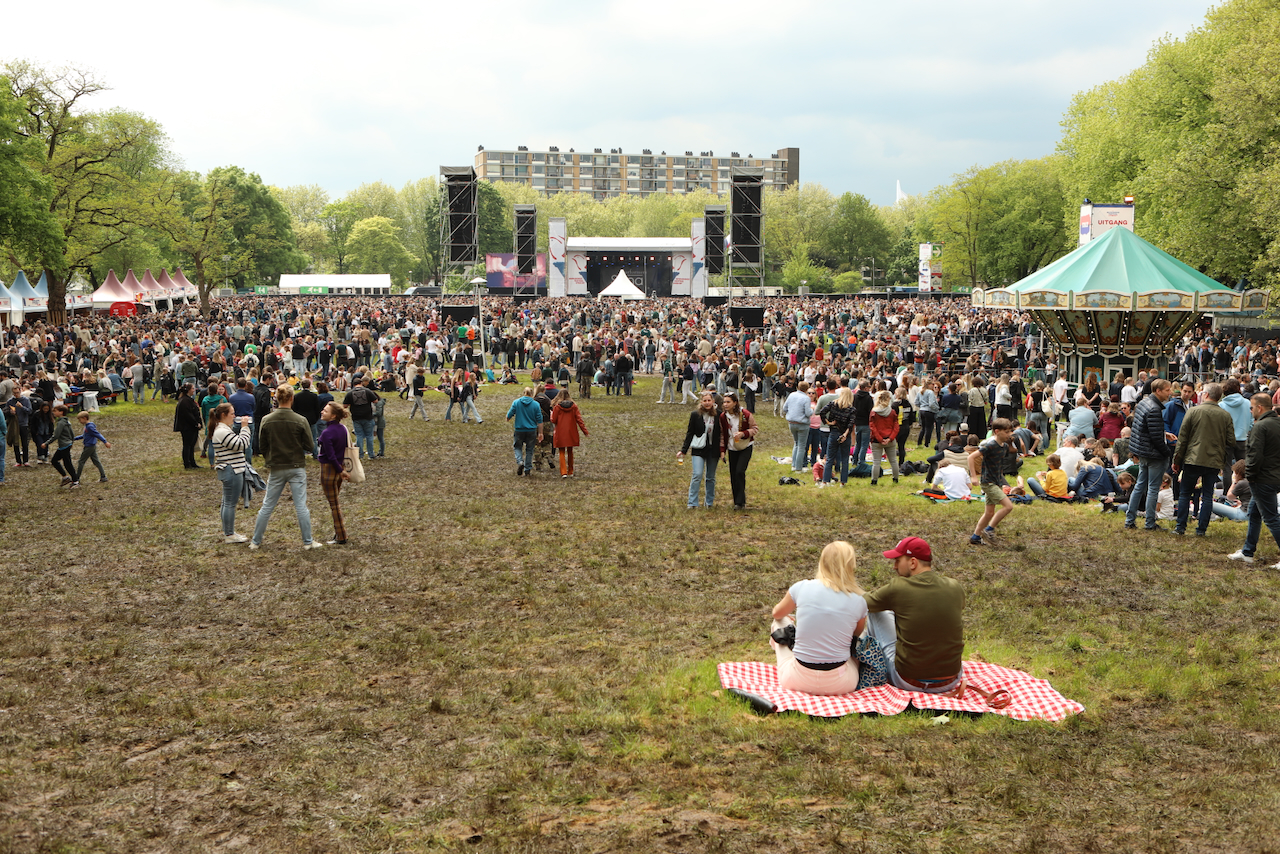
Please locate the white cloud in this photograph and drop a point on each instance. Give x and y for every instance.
(317, 91)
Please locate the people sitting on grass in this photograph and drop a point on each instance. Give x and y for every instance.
(1124, 491)
(1051, 484)
(1234, 503)
(917, 620)
(829, 613)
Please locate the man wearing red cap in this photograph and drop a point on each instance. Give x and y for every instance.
(916, 619)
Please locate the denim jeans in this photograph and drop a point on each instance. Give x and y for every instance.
(703, 468)
(316, 430)
(837, 457)
(815, 447)
(3, 448)
(1262, 510)
(232, 488)
(1189, 476)
(882, 628)
(523, 444)
(800, 438)
(364, 436)
(1235, 514)
(470, 403)
(862, 444)
(296, 479)
(1150, 472)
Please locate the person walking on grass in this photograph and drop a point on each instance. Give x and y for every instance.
(568, 420)
(1262, 470)
(526, 414)
(285, 440)
(702, 436)
(63, 437)
(987, 466)
(91, 437)
(1205, 437)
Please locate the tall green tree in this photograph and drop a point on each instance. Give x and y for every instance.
(494, 221)
(101, 166)
(1194, 135)
(374, 247)
(28, 229)
(338, 218)
(857, 232)
(420, 203)
(262, 227)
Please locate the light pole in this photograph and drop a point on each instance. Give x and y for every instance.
(478, 282)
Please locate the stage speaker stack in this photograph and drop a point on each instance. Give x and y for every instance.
(714, 217)
(526, 239)
(746, 218)
(461, 194)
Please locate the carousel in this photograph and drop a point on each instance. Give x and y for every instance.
(1118, 304)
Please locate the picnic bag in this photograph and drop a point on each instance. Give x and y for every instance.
(351, 460)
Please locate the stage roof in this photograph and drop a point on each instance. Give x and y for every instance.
(629, 244)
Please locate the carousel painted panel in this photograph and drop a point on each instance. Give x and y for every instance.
(1043, 300)
(999, 298)
(1219, 301)
(1255, 301)
(1051, 323)
(978, 298)
(1165, 301)
(1140, 323)
(1101, 301)
(1109, 324)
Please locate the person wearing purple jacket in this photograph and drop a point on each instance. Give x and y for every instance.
(333, 448)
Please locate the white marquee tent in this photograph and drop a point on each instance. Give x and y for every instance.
(622, 287)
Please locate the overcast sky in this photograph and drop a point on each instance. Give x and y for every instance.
(342, 93)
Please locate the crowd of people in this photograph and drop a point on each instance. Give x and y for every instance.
(847, 377)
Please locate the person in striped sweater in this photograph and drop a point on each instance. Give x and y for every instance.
(227, 445)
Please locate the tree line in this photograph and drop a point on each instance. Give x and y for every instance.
(1193, 134)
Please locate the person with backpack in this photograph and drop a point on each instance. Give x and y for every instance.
(359, 402)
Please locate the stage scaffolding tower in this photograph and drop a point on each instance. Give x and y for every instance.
(746, 229)
(459, 231)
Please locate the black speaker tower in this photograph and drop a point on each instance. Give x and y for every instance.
(460, 196)
(746, 219)
(526, 239)
(746, 228)
(713, 215)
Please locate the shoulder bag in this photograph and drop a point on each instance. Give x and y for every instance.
(351, 460)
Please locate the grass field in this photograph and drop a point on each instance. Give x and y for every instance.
(503, 664)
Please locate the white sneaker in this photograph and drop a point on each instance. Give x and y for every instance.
(1274, 566)
(314, 544)
(253, 547)
(1240, 556)
(236, 538)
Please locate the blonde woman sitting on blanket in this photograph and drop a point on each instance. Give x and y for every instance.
(829, 613)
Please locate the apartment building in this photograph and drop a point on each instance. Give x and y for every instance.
(617, 173)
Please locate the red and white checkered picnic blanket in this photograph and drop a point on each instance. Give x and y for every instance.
(1033, 699)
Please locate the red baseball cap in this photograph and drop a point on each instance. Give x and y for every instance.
(911, 547)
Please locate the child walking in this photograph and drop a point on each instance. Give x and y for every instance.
(63, 436)
(993, 458)
(89, 433)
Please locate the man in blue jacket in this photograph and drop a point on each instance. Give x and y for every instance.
(527, 415)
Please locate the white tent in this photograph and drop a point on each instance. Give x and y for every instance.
(622, 287)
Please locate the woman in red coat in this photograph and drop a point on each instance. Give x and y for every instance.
(568, 421)
(884, 434)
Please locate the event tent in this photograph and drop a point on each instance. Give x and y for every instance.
(622, 287)
(112, 291)
(42, 286)
(23, 299)
(184, 287)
